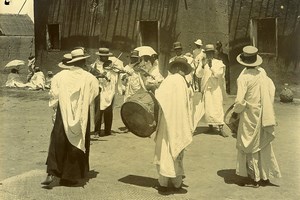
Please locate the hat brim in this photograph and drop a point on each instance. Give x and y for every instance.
(258, 61)
(101, 54)
(63, 66)
(79, 58)
(200, 44)
(186, 67)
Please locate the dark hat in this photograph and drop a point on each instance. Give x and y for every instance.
(104, 52)
(177, 45)
(182, 64)
(249, 57)
(209, 48)
(134, 54)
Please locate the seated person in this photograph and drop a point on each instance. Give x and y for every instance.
(37, 81)
(13, 78)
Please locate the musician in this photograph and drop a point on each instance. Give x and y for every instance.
(152, 67)
(133, 79)
(108, 83)
(175, 126)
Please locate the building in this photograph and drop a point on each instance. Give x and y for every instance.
(16, 37)
(122, 25)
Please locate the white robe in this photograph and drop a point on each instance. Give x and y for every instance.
(212, 87)
(254, 102)
(74, 90)
(175, 126)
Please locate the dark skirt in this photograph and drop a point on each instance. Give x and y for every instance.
(65, 160)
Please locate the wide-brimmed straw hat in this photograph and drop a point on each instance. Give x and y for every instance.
(104, 52)
(198, 42)
(249, 57)
(76, 55)
(177, 45)
(209, 48)
(182, 64)
(63, 64)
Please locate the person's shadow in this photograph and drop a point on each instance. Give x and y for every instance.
(230, 177)
(139, 181)
(81, 183)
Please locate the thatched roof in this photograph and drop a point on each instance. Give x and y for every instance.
(16, 25)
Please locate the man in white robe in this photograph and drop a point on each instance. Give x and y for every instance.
(212, 88)
(254, 103)
(109, 84)
(72, 92)
(175, 126)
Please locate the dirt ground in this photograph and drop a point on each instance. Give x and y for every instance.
(121, 165)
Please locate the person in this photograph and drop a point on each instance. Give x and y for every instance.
(212, 82)
(37, 81)
(13, 78)
(175, 126)
(48, 79)
(224, 57)
(198, 59)
(133, 80)
(254, 105)
(154, 77)
(72, 92)
(108, 83)
(31, 65)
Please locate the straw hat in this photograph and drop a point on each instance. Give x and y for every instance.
(249, 57)
(182, 64)
(209, 48)
(76, 55)
(104, 52)
(198, 42)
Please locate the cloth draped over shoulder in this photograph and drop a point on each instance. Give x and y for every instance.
(173, 95)
(75, 90)
(254, 102)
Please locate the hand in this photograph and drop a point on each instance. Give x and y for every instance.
(234, 115)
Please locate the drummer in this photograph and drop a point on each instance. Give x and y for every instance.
(133, 80)
(108, 83)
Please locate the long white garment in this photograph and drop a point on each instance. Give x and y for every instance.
(175, 126)
(37, 81)
(74, 90)
(108, 86)
(254, 102)
(12, 80)
(212, 87)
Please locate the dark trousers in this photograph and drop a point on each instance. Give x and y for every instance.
(108, 118)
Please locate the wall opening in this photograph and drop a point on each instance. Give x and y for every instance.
(148, 32)
(53, 37)
(264, 35)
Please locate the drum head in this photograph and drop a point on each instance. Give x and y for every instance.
(138, 119)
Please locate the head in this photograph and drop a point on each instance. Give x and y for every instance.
(134, 56)
(249, 57)
(209, 51)
(177, 48)
(181, 66)
(77, 58)
(219, 46)
(50, 74)
(198, 43)
(104, 54)
(36, 69)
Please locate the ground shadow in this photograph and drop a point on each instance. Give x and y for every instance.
(230, 177)
(206, 130)
(81, 183)
(139, 181)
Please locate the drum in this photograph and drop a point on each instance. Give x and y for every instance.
(231, 122)
(140, 113)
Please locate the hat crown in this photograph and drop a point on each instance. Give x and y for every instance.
(209, 47)
(104, 50)
(177, 45)
(198, 42)
(77, 53)
(249, 51)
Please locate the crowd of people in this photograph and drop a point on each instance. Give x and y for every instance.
(80, 107)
